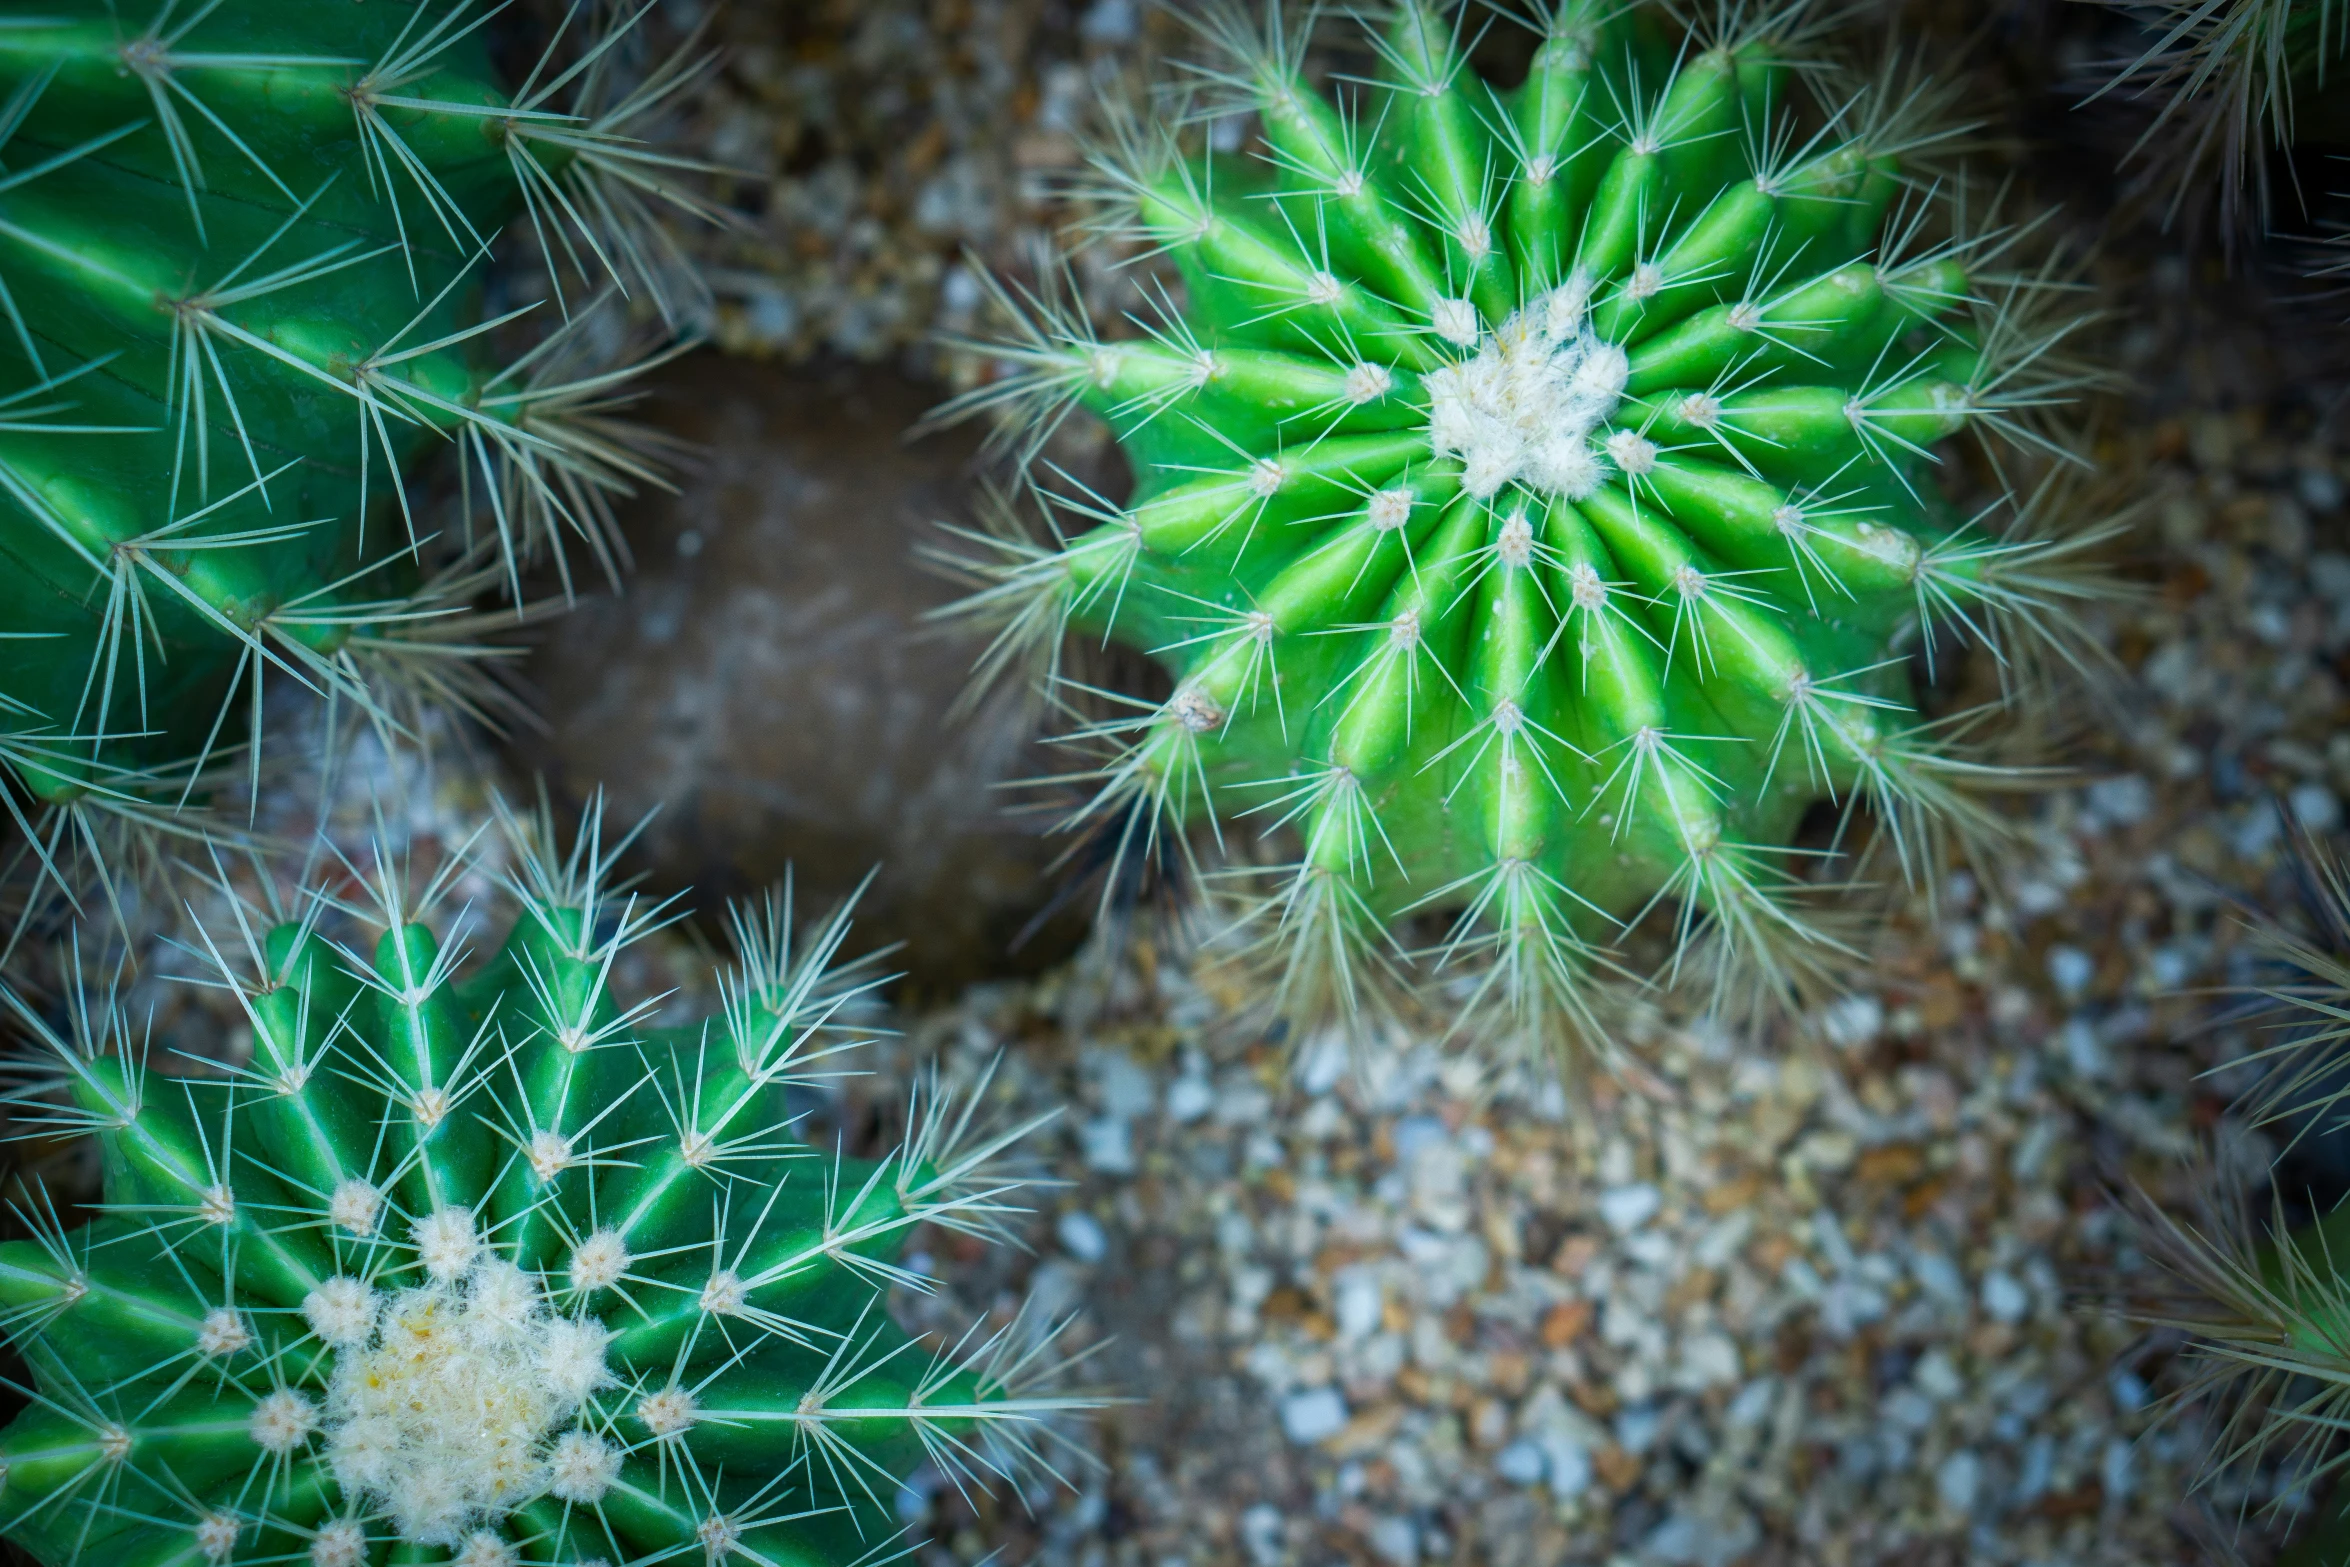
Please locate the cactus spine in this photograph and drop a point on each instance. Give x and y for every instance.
(1534, 488)
(2233, 81)
(241, 257)
(482, 1265)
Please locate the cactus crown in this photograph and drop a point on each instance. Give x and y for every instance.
(1535, 497)
(241, 257)
(482, 1263)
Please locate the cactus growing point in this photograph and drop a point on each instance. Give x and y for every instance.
(483, 1265)
(1535, 496)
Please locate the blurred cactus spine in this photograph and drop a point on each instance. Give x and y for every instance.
(472, 1260)
(1535, 497)
(2263, 1303)
(242, 249)
(2232, 81)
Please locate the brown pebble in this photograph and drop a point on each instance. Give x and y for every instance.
(1564, 1323)
(1892, 1164)
(1619, 1470)
(1733, 1194)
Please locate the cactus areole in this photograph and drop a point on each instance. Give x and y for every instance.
(1534, 488)
(241, 267)
(483, 1267)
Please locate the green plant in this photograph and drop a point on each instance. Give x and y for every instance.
(1535, 497)
(2235, 79)
(2262, 1303)
(242, 250)
(487, 1264)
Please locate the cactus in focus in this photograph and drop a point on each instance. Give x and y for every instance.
(1535, 496)
(480, 1264)
(242, 250)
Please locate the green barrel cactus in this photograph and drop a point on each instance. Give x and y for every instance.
(479, 1264)
(1535, 499)
(242, 257)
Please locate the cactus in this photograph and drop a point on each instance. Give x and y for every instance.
(2233, 81)
(242, 250)
(484, 1264)
(1534, 489)
(2258, 1305)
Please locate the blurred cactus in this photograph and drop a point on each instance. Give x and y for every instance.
(1535, 488)
(241, 293)
(2264, 1303)
(480, 1263)
(2232, 80)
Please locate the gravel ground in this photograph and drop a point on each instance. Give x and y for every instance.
(1821, 1291)
(1814, 1292)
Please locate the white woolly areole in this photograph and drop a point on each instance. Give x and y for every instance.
(484, 1548)
(340, 1544)
(444, 1411)
(283, 1421)
(340, 1311)
(1524, 409)
(216, 1536)
(667, 1413)
(223, 1333)
(583, 1467)
(599, 1262)
(445, 1242)
(356, 1206)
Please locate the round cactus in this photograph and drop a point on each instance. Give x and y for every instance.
(482, 1265)
(1534, 488)
(241, 262)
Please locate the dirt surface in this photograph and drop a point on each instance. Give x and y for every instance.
(768, 682)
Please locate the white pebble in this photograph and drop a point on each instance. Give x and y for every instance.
(1852, 1022)
(1260, 1533)
(1106, 1145)
(1752, 1404)
(1082, 1236)
(1127, 1090)
(1397, 1539)
(1626, 1208)
(1315, 1415)
(2004, 1298)
(2315, 807)
(1360, 1303)
(1709, 1360)
(1188, 1098)
(1521, 1463)
(1957, 1481)
(2070, 969)
(1570, 1467)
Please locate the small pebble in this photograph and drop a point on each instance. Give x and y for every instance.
(1626, 1208)
(1315, 1415)
(1082, 1236)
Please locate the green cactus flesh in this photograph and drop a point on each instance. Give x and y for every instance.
(484, 1267)
(240, 294)
(1533, 488)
